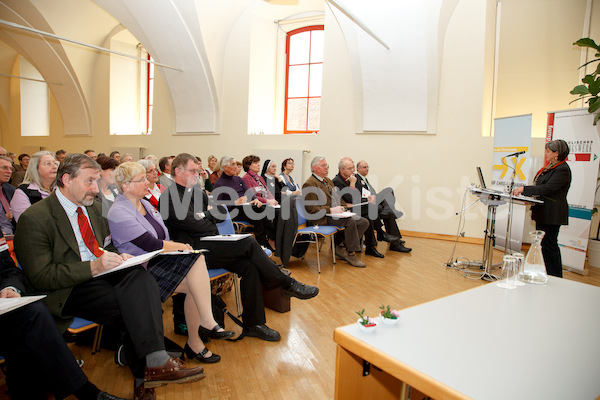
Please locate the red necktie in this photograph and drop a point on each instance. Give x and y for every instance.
(87, 234)
(4, 201)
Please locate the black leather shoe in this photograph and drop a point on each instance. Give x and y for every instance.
(372, 251)
(214, 333)
(386, 237)
(202, 357)
(107, 396)
(300, 290)
(397, 246)
(262, 332)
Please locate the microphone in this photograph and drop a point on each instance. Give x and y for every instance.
(515, 154)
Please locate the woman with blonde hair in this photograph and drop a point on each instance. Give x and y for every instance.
(138, 228)
(38, 183)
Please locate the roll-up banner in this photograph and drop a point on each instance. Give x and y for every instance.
(577, 129)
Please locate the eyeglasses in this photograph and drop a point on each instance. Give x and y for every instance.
(141, 180)
(193, 171)
(49, 163)
(154, 171)
(6, 168)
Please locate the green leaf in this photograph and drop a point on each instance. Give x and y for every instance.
(580, 90)
(588, 79)
(594, 106)
(587, 42)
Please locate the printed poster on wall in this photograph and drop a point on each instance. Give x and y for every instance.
(511, 135)
(577, 129)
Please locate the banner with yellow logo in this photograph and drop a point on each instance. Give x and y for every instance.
(511, 167)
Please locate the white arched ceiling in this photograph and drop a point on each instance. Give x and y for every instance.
(50, 59)
(397, 88)
(170, 31)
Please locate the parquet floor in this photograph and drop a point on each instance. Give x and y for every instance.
(302, 365)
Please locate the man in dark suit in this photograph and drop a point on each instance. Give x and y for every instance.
(385, 210)
(7, 222)
(60, 255)
(38, 359)
(318, 185)
(184, 209)
(352, 193)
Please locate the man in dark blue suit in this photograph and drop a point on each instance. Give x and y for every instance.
(37, 357)
(6, 193)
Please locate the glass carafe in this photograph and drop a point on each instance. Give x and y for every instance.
(534, 269)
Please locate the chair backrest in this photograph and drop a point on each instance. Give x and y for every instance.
(300, 209)
(226, 227)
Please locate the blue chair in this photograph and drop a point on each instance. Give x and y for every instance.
(80, 325)
(312, 234)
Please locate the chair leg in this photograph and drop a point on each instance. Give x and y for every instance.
(318, 255)
(332, 249)
(238, 296)
(97, 339)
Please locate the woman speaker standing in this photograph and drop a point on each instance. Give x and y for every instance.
(551, 185)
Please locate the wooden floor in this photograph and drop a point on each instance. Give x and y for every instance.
(302, 365)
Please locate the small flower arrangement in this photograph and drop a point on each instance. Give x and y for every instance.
(389, 314)
(364, 320)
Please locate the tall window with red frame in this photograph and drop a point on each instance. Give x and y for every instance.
(304, 71)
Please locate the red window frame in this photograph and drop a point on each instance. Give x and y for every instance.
(287, 74)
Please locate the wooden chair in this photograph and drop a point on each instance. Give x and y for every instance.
(312, 234)
(81, 325)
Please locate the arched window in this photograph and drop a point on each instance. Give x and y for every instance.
(304, 70)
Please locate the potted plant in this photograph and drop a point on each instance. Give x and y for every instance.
(591, 82)
(389, 317)
(365, 323)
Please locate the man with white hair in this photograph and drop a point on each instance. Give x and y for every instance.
(385, 211)
(317, 185)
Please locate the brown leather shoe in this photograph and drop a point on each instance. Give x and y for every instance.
(172, 371)
(142, 393)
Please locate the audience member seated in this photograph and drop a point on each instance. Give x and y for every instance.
(107, 191)
(128, 157)
(203, 180)
(60, 155)
(38, 183)
(57, 244)
(212, 162)
(352, 194)
(255, 182)
(184, 208)
(116, 155)
(91, 154)
(19, 170)
(154, 188)
(239, 194)
(287, 166)
(217, 170)
(137, 228)
(37, 357)
(355, 227)
(7, 222)
(273, 181)
(385, 211)
(164, 164)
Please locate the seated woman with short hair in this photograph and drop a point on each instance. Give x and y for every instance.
(138, 228)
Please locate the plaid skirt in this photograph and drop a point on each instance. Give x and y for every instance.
(169, 271)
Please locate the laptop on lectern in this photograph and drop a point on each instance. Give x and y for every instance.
(481, 181)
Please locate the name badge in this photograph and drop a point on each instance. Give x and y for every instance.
(107, 240)
(3, 245)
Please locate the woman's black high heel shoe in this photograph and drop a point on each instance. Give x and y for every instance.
(214, 333)
(189, 353)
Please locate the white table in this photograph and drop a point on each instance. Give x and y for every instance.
(533, 342)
